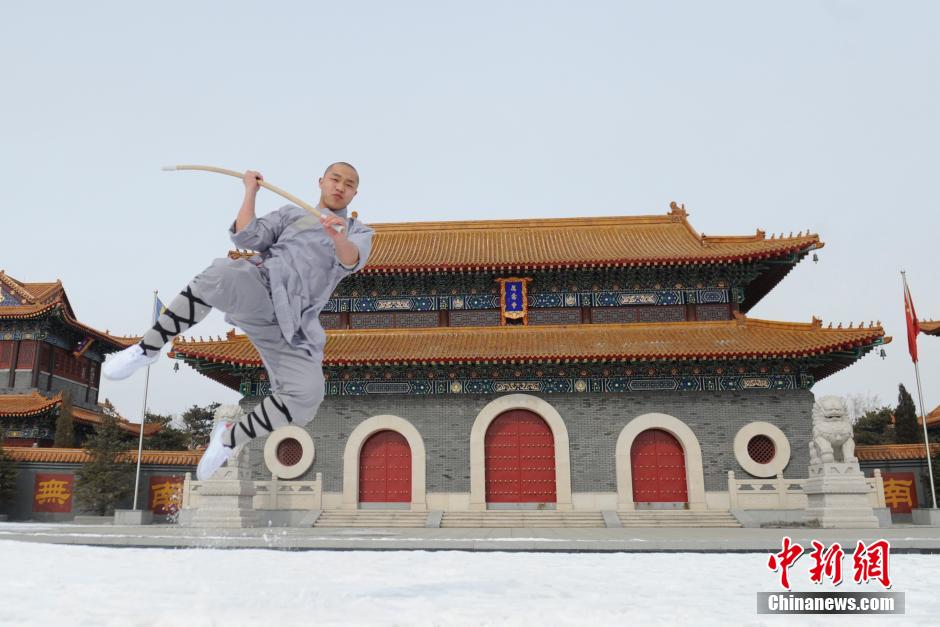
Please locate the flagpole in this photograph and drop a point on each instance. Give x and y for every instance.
(143, 412)
(923, 421)
(920, 397)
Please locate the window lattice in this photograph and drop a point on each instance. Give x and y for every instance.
(761, 449)
(289, 451)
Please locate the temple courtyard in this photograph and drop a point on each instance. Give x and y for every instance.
(158, 586)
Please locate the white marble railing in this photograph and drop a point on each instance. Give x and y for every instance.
(272, 494)
(780, 493)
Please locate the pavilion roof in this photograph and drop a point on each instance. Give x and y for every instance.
(657, 240)
(579, 243)
(740, 338)
(933, 418)
(26, 405)
(890, 452)
(97, 418)
(80, 456)
(37, 300)
(35, 404)
(930, 327)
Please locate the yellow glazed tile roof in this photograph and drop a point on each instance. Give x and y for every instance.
(38, 299)
(930, 327)
(79, 456)
(34, 404)
(889, 452)
(739, 338)
(567, 242)
(96, 418)
(24, 405)
(933, 418)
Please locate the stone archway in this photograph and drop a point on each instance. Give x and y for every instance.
(695, 475)
(477, 447)
(354, 445)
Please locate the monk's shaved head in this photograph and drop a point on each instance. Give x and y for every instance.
(338, 185)
(342, 163)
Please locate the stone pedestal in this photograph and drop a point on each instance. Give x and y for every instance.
(924, 516)
(225, 501)
(837, 496)
(133, 517)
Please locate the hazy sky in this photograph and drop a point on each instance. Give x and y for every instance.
(781, 116)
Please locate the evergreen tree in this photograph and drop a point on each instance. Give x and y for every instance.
(168, 438)
(104, 481)
(198, 424)
(7, 478)
(64, 426)
(873, 427)
(905, 418)
(936, 479)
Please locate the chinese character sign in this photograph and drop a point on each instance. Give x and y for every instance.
(52, 492)
(166, 494)
(513, 298)
(781, 562)
(900, 493)
(869, 563)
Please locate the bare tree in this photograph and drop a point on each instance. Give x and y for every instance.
(862, 403)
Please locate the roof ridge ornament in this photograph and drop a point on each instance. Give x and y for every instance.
(677, 211)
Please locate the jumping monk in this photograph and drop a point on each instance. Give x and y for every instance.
(275, 297)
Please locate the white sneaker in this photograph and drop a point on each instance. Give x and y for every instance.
(216, 453)
(125, 363)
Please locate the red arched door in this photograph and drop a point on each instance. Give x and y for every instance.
(520, 459)
(385, 469)
(658, 464)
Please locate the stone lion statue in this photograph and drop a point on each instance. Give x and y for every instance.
(832, 431)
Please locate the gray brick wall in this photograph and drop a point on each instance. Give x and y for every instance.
(594, 422)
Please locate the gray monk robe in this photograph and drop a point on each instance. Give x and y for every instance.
(276, 297)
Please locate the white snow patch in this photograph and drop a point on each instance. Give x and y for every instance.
(69, 585)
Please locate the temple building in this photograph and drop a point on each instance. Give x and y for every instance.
(577, 365)
(45, 351)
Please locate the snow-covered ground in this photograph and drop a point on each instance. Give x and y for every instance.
(76, 585)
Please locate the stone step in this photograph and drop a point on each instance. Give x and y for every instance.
(678, 518)
(523, 519)
(371, 518)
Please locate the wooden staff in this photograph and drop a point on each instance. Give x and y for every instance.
(277, 190)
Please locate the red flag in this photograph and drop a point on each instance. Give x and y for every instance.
(913, 328)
